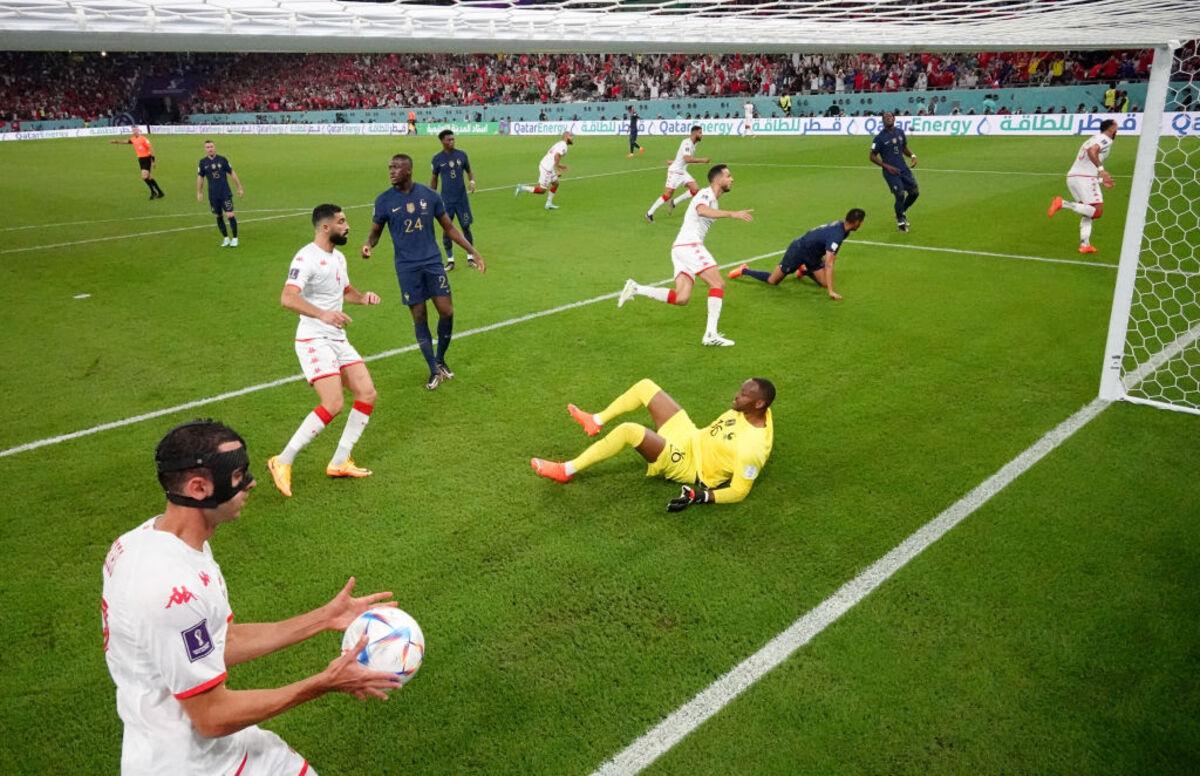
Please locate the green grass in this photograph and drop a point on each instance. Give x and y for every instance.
(1055, 630)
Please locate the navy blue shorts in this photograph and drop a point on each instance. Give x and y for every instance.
(422, 282)
(794, 257)
(220, 205)
(460, 211)
(905, 181)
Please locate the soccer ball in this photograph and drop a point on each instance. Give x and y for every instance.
(394, 641)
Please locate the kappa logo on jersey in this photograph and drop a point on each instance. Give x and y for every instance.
(204, 578)
(197, 641)
(179, 595)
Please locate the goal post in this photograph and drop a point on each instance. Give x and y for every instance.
(1152, 354)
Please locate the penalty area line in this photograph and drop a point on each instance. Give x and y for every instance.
(190, 405)
(687, 718)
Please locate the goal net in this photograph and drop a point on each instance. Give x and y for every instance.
(1153, 353)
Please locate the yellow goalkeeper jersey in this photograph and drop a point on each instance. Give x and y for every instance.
(731, 450)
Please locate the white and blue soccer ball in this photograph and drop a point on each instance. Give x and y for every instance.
(395, 642)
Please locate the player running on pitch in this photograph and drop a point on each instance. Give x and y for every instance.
(634, 128)
(549, 169)
(888, 150)
(692, 259)
(813, 253)
(452, 166)
(1084, 180)
(145, 156)
(717, 464)
(678, 175)
(217, 171)
(316, 287)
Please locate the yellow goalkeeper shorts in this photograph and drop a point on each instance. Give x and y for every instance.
(677, 461)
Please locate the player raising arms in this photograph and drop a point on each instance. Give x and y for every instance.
(214, 169)
(145, 156)
(409, 210)
(317, 285)
(677, 173)
(692, 259)
(170, 638)
(888, 150)
(549, 169)
(451, 165)
(1084, 180)
(716, 464)
(813, 253)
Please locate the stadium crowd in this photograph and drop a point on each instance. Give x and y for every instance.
(95, 85)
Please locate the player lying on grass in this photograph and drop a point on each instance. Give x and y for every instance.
(813, 253)
(716, 464)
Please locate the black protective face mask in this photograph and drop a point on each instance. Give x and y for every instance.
(221, 466)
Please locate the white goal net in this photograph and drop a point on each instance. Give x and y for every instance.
(628, 26)
(1153, 354)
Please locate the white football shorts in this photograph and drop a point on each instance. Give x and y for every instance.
(547, 178)
(677, 179)
(1085, 189)
(691, 259)
(322, 357)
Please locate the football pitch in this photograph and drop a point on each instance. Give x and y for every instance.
(1054, 630)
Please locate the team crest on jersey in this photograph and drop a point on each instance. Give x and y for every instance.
(424, 206)
(750, 472)
(197, 642)
(410, 208)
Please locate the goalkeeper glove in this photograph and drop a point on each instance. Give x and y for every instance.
(689, 496)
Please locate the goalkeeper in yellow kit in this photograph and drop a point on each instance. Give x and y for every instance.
(717, 464)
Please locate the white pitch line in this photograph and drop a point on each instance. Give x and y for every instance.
(286, 215)
(54, 440)
(653, 744)
(1017, 256)
(193, 214)
(921, 168)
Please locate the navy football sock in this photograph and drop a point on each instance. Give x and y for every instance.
(466, 230)
(899, 207)
(425, 342)
(448, 244)
(757, 274)
(221, 226)
(233, 225)
(912, 197)
(445, 327)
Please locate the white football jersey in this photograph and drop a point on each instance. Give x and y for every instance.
(686, 148)
(165, 615)
(1083, 165)
(749, 108)
(559, 148)
(322, 280)
(695, 226)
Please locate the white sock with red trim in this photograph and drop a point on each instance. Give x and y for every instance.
(314, 423)
(1085, 231)
(658, 203)
(356, 423)
(1084, 210)
(657, 294)
(684, 197)
(716, 297)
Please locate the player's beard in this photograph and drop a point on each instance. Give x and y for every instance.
(339, 239)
